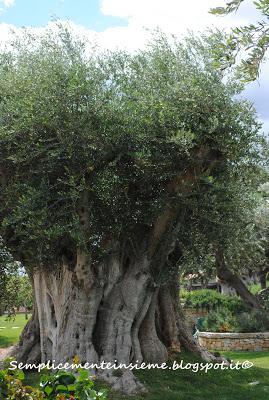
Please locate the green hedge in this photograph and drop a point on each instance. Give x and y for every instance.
(223, 320)
(210, 299)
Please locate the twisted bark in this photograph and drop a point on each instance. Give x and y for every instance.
(111, 312)
(234, 281)
(117, 310)
(28, 349)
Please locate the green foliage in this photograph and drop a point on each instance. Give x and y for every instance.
(8, 268)
(253, 39)
(256, 321)
(104, 134)
(210, 299)
(262, 226)
(232, 5)
(233, 215)
(223, 320)
(220, 320)
(16, 289)
(6, 259)
(70, 386)
(19, 292)
(59, 386)
(12, 388)
(255, 288)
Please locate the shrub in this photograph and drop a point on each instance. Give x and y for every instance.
(65, 385)
(59, 386)
(210, 299)
(256, 321)
(221, 320)
(12, 388)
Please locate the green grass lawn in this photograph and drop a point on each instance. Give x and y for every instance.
(10, 329)
(251, 384)
(259, 358)
(248, 384)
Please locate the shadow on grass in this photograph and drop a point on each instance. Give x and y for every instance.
(6, 341)
(249, 384)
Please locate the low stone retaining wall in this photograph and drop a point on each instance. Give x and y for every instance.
(234, 341)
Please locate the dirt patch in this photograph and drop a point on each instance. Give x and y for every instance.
(4, 353)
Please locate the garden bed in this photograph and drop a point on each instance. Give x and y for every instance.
(258, 341)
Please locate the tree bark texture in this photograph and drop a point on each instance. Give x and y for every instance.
(116, 309)
(226, 275)
(112, 312)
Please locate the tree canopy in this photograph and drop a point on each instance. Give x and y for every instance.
(111, 132)
(112, 165)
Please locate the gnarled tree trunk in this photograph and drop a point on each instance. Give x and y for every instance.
(234, 281)
(263, 273)
(117, 310)
(28, 349)
(109, 312)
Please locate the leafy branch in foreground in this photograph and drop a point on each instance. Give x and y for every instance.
(253, 39)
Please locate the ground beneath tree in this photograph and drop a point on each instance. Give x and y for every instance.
(248, 384)
(4, 353)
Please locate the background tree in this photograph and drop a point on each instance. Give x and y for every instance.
(253, 39)
(102, 156)
(222, 239)
(7, 269)
(19, 293)
(15, 287)
(262, 231)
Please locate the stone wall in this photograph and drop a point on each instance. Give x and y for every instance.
(234, 341)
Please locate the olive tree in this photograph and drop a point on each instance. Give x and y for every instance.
(100, 155)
